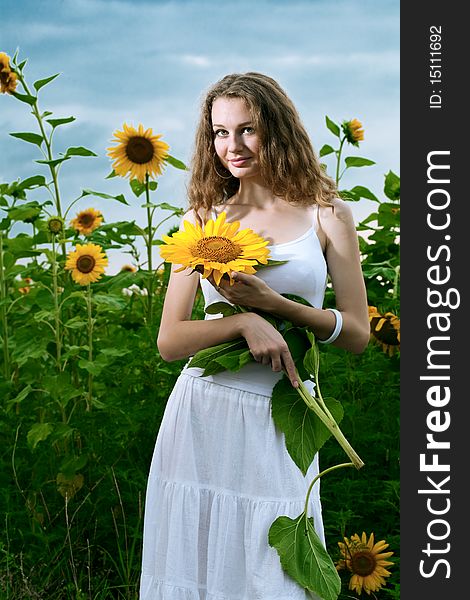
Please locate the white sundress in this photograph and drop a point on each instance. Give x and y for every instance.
(220, 473)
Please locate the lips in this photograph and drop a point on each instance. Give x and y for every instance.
(239, 162)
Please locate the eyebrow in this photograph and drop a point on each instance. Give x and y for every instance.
(240, 125)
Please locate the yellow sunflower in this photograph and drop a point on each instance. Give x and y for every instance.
(217, 248)
(366, 561)
(129, 268)
(8, 78)
(137, 153)
(353, 131)
(384, 330)
(87, 263)
(87, 221)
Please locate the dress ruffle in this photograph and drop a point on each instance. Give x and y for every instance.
(220, 476)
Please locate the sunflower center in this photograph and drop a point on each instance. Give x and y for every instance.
(55, 225)
(139, 150)
(87, 219)
(363, 563)
(387, 334)
(218, 249)
(86, 263)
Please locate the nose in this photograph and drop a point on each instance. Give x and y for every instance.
(234, 143)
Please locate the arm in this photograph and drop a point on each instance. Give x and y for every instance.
(342, 256)
(180, 337)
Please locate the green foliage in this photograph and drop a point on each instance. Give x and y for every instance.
(83, 387)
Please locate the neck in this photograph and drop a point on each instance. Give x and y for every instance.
(253, 191)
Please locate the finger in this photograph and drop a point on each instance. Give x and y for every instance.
(289, 366)
(266, 360)
(276, 363)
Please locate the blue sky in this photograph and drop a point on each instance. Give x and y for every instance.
(151, 63)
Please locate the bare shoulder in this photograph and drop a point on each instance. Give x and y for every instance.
(338, 211)
(194, 217)
(337, 220)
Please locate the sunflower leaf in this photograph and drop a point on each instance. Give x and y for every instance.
(304, 557)
(304, 433)
(358, 161)
(174, 162)
(221, 307)
(119, 198)
(326, 149)
(332, 126)
(32, 138)
(234, 361)
(31, 100)
(56, 122)
(42, 82)
(54, 162)
(204, 357)
(78, 151)
(271, 263)
(32, 182)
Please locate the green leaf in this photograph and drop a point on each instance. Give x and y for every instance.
(137, 187)
(357, 161)
(32, 182)
(304, 433)
(234, 361)
(119, 198)
(42, 82)
(174, 162)
(326, 149)
(56, 122)
(20, 397)
(38, 433)
(271, 263)
(25, 212)
(364, 192)
(221, 307)
(27, 98)
(304, 557)
(165, 206)
(392, 186)
(111, 175)
(32, 138)
(78, 151)
(202, 358)
(332, 126)
(54, 162)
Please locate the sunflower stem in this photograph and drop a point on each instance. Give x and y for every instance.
(149, 241)
(338, 160)
(57, 308)
(328, 420)
(317, 477)
(3, 313)
(52, 168)
(90, 346)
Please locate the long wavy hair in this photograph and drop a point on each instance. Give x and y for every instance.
(287, 161)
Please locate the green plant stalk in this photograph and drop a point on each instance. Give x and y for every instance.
(3, 313)
(396, 282)
(338, 160)
(327, 419)
(149, 241)
(47, 142)
(90, 346)
(55, 290)
(317, 477)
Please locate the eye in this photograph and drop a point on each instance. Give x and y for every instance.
(221, 132)
(248, 129)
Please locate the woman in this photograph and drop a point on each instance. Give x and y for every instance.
(221, 474)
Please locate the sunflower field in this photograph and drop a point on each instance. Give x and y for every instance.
(83, 387)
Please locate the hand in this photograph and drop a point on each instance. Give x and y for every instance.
(247, 290)
(268, 346)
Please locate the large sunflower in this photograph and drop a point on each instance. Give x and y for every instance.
(87, 221)
(366, 561)
(217, 248)
(384, 330)
(137, 153)
(87, 263)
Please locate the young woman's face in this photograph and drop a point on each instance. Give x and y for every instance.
(235, 139)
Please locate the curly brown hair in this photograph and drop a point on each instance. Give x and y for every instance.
(288, 163)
